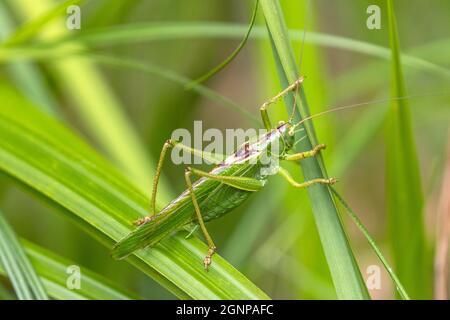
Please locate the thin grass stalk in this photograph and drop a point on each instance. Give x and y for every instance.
(345, 273)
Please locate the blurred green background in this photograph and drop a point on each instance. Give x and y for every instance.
(272, 239)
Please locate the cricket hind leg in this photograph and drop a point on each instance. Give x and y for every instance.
(211, 245)
(263, 108)
(169, 144)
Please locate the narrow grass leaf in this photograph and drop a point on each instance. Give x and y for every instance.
(233, 55)
(374, 246)
(17, 266)
(53, 272)
(404, 190)
(28, 30)
(25, 74)
(344, 270)
(145, 32)
(95, 103)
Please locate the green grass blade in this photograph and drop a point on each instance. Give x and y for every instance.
(374, 246)
(233, 55)
(52, 269)
(145, 32)
(17, 266)
(345, 273)
(24, 74)
(33, 27)
(404, 191)
(95, 103)
(5, 294)
(45, 156)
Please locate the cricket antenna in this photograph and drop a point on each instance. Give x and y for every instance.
(362, 104)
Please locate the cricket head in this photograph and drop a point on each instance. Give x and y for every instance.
(287, 135)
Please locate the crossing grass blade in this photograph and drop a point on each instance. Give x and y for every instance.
(404, 190)
(50, 160)
(233, 55)
(344, 270)
(52, 271)
(401, 290)
(121, 62)
(157, 31)
(17, 266)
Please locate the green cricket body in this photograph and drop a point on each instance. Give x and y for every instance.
(215, 198)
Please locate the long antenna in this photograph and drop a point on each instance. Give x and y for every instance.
(363, 104)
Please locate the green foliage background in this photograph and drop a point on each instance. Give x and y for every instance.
(84, 114)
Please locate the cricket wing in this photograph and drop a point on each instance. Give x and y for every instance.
(151, 232)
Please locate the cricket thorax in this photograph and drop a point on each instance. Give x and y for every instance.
(272, 143)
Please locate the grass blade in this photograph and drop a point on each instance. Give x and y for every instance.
(374, 246)
(52, 269)
(404, 191)
(95, 103)
(48, 158)
(346, 276)
(233, 55)
(25, 74)
(33, 27)
(17, 266)
(145, 32)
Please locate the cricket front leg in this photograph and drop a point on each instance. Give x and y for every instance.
(263, 108)
(285, 174)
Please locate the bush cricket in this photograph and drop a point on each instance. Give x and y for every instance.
(222, 189)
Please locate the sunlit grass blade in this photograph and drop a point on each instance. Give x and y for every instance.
(145, 32)
(28, 30)
(404, 190)
(401, 290)
(95, 103)
(344, 270)
(233, 55)
(18, 268)
(48, 158)
(27, 76)
(303, 15)
(53, 271)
